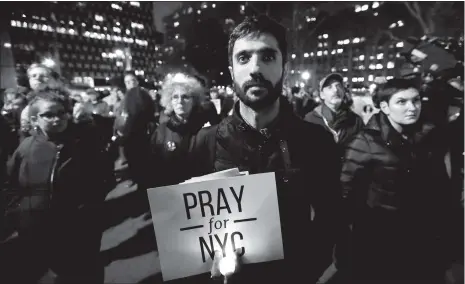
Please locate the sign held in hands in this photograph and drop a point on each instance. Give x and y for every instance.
(234, 214)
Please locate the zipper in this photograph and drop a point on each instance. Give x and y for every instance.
(52, 175)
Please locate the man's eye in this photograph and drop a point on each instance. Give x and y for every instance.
(268, 58)
(242, 59)
(401, 101)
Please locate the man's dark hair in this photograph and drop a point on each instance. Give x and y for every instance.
(385, 91)
(255, 26)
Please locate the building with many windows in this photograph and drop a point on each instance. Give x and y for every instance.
(87, 42)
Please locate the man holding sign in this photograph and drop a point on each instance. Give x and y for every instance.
(263, 135)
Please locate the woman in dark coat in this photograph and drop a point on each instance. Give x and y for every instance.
(58, 179)
(181, 97)
(398, 194)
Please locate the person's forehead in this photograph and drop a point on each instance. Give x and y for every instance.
(256, 42)
(39, 70)
(129, 77)
(48, 105)
(406, 94)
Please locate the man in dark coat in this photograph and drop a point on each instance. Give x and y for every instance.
(133, 123)
(263, 135)
(334, 114)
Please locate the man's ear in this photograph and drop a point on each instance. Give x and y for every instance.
(231, 72)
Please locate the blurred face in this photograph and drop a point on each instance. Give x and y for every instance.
(332, 94)
(404, 107)
(130, 81)
(38, 76)
(257, 70)
(182, 102)
(51, 117)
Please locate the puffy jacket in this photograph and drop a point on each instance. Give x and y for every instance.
(399, 201)
(306, 177)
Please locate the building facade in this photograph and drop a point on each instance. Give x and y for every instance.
(87, 42)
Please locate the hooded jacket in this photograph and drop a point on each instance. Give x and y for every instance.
(303, 181)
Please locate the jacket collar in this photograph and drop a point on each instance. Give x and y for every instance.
(380, 124)
(280, 124)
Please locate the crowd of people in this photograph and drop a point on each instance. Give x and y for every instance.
(376, 201)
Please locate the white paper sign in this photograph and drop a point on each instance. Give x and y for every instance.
(193, 220)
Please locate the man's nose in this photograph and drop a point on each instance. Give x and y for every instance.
(255, 65)
(411, 105)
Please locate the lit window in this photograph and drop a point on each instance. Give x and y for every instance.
(333, 69)
(400, 44)
(134, 3)
(354, 79)
(375, 14)
(346, 41)
(379, 56)
(345, 69)
(390, 65)
(365, 7)
(379, 66)
(128, 32)
(116, 7)
(400, 23)
(372, 57)
(312, 54)
(308, 19)
(361, 67)
(333, 52)
(345, 79)
(356, 40)
(199, 12)
(320, 44)
(176, 36)
(98, 18)
(306, 54)
(204, 6)
(370, 77)
(213, 5)
(393, 25)
(7, 45)
(325, 36)
(71, 22)
(340, 50)
(116, 30)
(293, 56)
(375, 5)
(325, 44)
(361, 57)
(326, 52)
(372, 67)
(83, 24)
(397, 55)
(176, 24)
(71, 31)
(319, 53)
(104, 55)
(292, 71)
(13, 23)
(242, 8)
(358, 8)
(355, 59)
(361, 79)
(389, 77)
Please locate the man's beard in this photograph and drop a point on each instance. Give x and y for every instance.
(273, 93)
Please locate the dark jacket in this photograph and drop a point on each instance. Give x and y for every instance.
(54, 193)
(170, 147)
(350, 125)
(399, 201)
(309, 181)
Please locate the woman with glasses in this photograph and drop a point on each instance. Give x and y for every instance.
(57, 179)
(398, 193)
(181, 98)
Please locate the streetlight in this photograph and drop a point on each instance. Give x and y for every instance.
(48, 62)
(305, 75)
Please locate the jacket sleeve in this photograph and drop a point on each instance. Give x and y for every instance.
(201, 151)
(326, 204)
(354, 171)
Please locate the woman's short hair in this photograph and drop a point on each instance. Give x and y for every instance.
(38, 65)
(385, 91)
(59, 96)
(174, 81)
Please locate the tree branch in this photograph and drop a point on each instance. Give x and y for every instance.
(416, 12)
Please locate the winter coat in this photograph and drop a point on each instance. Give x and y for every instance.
(170, 147)
(398, 199)
(304, 160)
(53, 196)
(349, 128)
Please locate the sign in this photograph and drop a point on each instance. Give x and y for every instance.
(194, 220)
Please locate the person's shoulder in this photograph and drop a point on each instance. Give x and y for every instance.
(313, 116)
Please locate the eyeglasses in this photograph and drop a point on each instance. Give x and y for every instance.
(184, 97)
(52, 115)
